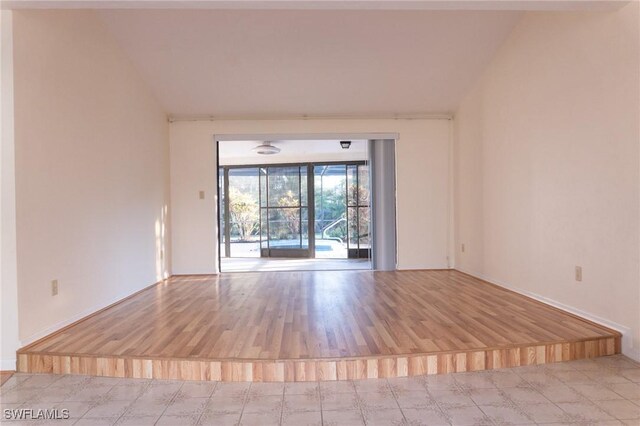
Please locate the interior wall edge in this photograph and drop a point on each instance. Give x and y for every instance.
(627, 337)
(451, 202)
(8, 242)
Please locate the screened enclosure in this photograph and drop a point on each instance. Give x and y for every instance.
(308, 210)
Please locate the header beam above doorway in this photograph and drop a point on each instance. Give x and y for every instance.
(302, 136)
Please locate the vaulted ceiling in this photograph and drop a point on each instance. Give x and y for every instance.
(271, 63)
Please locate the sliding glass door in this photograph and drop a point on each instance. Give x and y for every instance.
(330, 211)
(342, 219)
(239, 211)
(284, 211)
(358, 212)
(295, 210)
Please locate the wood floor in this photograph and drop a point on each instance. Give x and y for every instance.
(321, 325)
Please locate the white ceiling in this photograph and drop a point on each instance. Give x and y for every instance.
(292, 151)
(276, 63)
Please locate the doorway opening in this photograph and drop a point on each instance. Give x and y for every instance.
(307, 209)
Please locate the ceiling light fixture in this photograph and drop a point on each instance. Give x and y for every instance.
(345, 144)
(266, 149)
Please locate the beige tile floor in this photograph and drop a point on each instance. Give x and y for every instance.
(603, 391)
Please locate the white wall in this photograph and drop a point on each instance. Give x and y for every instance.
(547, 166)
(9, 342)
(92, 171)
(422, 154)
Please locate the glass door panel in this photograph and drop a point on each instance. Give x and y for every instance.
(244, 212)
(284, 228)
(284, 186)
(330, 224)
(364, 240)
(221, 213)
(358, 241)
(284, 206)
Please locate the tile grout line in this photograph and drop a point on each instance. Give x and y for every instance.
(475, 404)
(395, 397)
(550, 373)
(355, 389)
(442, 410)
(92, 404)
(148, 385)
(96, 404)
(595, 402)
(244, 403)
(170, 402)
(543, 395)
(284, 390)
(319, 392)
(215, 388)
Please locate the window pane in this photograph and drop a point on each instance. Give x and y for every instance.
(221, 196)
(303, 186)
(263, 231)
(353, 227)
(352, 185)
(284, 187)
(263, 187)
(244, 213)
(330, 211)
(363, 185)
(284, 228)
(363, 228)
(305, 227)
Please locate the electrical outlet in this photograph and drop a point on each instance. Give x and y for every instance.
(54, 287)
(578, 273)
(462, 248)
(202, 195)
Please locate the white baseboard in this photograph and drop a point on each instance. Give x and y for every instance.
(627, 336)
(8, 364)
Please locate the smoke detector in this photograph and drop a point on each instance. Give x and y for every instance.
(266, 149)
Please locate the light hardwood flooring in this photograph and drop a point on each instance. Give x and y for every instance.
(299, 326)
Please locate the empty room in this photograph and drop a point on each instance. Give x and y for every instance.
(320, 212)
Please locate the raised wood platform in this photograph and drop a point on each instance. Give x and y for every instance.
(307, 326)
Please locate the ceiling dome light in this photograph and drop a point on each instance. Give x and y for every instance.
(266, 149)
